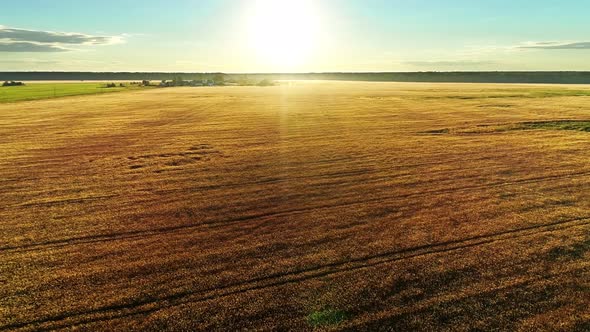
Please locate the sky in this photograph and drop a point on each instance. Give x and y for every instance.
(241, 36)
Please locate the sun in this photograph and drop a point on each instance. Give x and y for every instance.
(283, 33)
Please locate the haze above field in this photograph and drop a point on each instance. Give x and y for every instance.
(294, 36)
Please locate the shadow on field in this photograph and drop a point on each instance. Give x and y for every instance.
(569, 125)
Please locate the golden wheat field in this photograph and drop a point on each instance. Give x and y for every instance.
(309, 205)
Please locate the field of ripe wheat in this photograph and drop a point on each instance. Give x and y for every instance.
(307, 205)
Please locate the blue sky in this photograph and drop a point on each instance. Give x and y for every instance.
(303, 35)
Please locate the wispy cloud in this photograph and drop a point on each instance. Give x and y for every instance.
(29, 61)
(556, 45)
(23, 40)
(29, 47)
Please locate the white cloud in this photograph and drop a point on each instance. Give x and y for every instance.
(23, 40)
(556, 45)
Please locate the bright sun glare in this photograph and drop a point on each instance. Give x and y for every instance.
(283, 33)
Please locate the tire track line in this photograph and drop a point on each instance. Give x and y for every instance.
(384, 315)
(223, 223)
(281, 279)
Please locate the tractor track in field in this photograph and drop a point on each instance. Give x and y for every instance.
(223, 223)
(147, 306)
(385, 315)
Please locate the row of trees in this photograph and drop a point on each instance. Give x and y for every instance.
(465, 77)
(121, 85)
(218, 80)
(12, 83)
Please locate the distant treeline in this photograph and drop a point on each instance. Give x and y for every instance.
(456, 77)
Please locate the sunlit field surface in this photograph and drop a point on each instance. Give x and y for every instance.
(335, 206)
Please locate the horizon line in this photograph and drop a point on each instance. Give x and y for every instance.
(301, 73)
